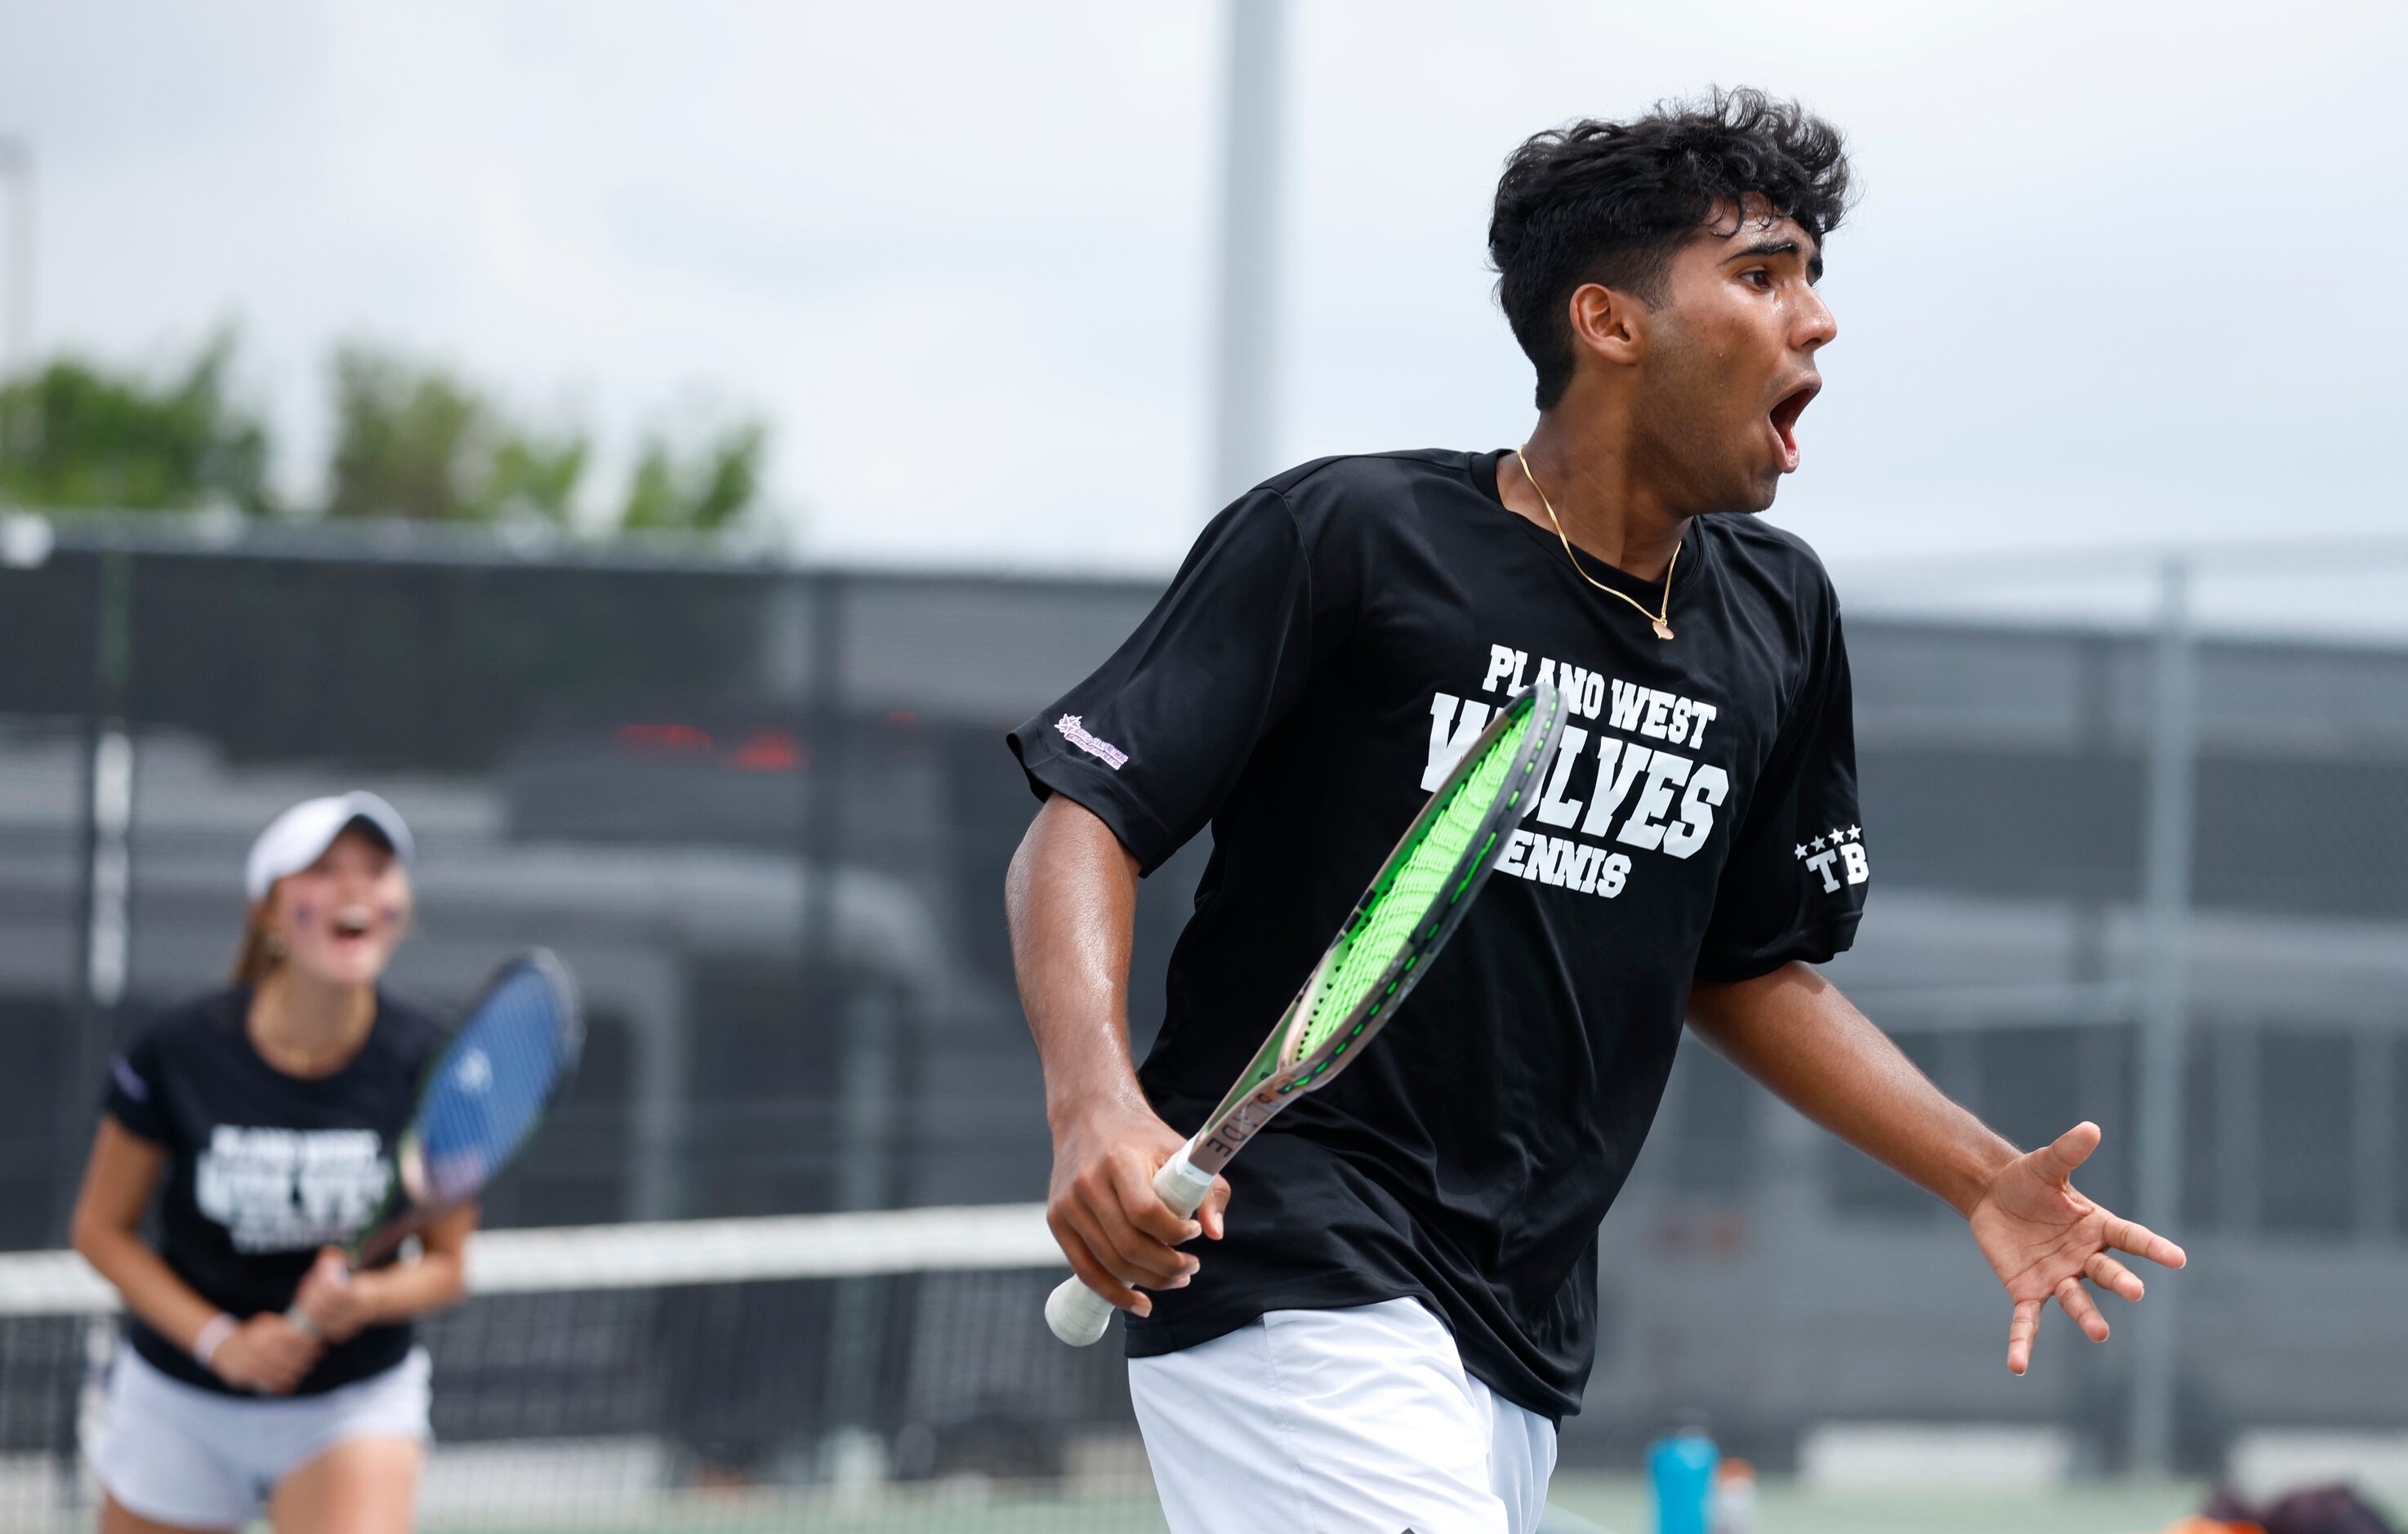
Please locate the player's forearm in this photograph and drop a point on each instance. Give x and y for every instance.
(166, 1304)
(1795, 1033)
(119, 1183)
(1070, 898)
(434, 1280)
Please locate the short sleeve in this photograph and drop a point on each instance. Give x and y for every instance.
(131, 1096)
(1795, 885)
(1154, 741)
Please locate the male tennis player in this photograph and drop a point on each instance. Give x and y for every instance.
(1402, 1301)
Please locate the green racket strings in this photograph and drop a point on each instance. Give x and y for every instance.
(1410, 902)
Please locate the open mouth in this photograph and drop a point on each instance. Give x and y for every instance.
(1784, 416)
(352, 922)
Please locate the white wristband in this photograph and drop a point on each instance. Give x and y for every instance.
(213, 1336)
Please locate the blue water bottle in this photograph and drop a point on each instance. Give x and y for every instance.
(1681, 1467)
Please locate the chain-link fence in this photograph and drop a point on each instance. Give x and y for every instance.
(2133, 861)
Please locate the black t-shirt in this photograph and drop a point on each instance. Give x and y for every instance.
(263, 1167)
(1332, 644)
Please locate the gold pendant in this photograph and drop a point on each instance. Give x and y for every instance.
(1663, 629)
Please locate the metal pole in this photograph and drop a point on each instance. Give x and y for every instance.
(867, 1112)
(2172, 761)
(17, 337)
(1245, 404)
(822, 781)
(17, 267)
(858, 1113)
(103, 927)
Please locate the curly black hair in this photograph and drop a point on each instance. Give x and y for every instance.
(1611, 202)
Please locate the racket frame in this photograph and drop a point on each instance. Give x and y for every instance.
(399, 1214)
(1279, 1073)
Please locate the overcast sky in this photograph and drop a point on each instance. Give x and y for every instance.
(2121, 272)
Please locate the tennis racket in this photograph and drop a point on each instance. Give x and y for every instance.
(480, 1104)
(1413, 907)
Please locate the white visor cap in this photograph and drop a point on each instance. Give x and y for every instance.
(301, 835)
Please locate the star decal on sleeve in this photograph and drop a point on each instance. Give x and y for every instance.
(1818, 842)
(1800, 850)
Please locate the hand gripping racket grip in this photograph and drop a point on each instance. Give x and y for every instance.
(299, 1318)
(1077, 1313)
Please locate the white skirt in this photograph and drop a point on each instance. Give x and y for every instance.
(177, 1454)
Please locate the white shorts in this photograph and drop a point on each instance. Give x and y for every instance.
(177, 1454)
(1357, 1421)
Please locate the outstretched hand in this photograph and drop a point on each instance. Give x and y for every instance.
(2043, 1238)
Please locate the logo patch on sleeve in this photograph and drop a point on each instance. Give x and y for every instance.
(128, 1079)
(1094, 745)
(1842, 845)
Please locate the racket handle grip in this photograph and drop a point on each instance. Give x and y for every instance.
(1078, 1314)
(299, 1318)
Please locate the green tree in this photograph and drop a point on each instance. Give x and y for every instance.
(407, 438)
(77, 435)
(531, 473)
(413, 439)
(704, 490)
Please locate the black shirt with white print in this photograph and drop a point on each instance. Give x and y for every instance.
(1332, 644)
(263, 1167)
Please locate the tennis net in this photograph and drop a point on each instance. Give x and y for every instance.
(860, 1372)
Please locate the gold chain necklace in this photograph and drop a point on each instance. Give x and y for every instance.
(1663, 629)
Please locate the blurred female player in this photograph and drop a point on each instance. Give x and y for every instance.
(263, 1118)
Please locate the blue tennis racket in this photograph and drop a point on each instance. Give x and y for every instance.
(480, 1104)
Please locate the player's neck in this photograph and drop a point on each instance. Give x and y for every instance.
(307, 1025)
(1610, 509)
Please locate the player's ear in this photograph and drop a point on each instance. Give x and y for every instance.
(1608, 323)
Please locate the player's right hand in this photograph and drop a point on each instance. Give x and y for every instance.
(267, 1354)
(1102, 1208)
(336, 1306)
